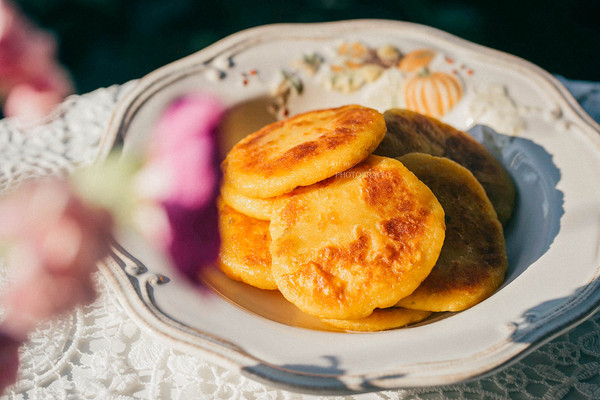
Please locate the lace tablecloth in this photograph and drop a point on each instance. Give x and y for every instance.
(97, 352)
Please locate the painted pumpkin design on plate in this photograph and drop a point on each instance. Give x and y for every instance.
(421, 80)
(432, 93)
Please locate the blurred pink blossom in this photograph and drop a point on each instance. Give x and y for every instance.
(182, 175)
(31, 80)
(54, 242)
(58, 230)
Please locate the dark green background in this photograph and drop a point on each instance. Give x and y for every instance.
(103, 42)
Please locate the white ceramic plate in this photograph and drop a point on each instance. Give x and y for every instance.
(548, 144)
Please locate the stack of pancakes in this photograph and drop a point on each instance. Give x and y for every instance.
(365, 242)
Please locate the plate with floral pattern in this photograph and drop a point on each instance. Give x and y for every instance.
(522, 114)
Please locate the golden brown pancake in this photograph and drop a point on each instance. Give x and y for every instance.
(250, 206)
(244, 254)
(303, 150)
(473, 260)
(360, 240)
(410, 132)
(380, 319)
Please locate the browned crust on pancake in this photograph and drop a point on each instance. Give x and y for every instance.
(388, 250)
(410, 132)
(336, 139)
(245, 254)
(473, 260)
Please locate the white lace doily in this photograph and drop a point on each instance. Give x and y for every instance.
(97, 352)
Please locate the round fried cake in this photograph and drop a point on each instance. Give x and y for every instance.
(473, 260)
(244, 254)
(360, 240)
(250, 206)
(410, 132)
(303, 150)
(380, 319)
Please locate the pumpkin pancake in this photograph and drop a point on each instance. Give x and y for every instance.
(473, 260)
(410, 132)
(380, 319)
(357, 241)
(250, 206)
(303, 150)
(244, 254)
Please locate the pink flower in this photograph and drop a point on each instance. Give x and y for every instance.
(182, 175)
(28, 66)
(34, 100)
(56, 236)
(55, 241)
(169, 195)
